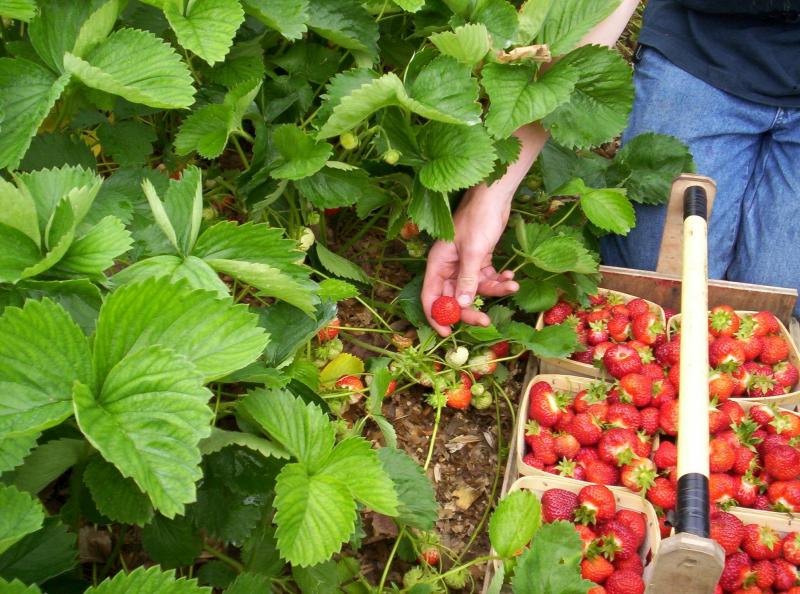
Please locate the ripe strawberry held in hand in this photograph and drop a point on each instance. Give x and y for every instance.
(446, 311)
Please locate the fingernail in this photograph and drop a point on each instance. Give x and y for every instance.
(464, 300)
(513, 286)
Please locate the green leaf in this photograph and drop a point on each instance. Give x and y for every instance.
(550, 341)
(52, 150)
(195, 271)
(49, 187)
(260, 551)
(514, 522)
(98, 24)
(17, 210)
(221, 438)
(208, 129)
(345, 23)
(20, 10)
(468, 43)
(39, 556)
(55, 29)
(331, 188)
(79, 297)
(48, 462)
(448, 86)
(14, 449)
(343, 364)
(247, 583)
(215, 335)
(21, 515)
(560, 164)
(518, 99)
(336, 264)
(609, 209)
(647, 164)
(315, 514)
(147, 580)
(531, 18)
(128, 142)
(245, 62)
(552, 563)
(137, 66)
(536, 295)
(299, 154)
(566, 23)
(183, 204)
(430, 211)
(116, 497)
(417, 500)
(341, 85)
(28, 92)
(287, 17)
(334, 289)
(371, 485)
(160, 214)
(500, 18)
(268, 280)
(16, 586)
(563, 254)
(322, 578)
(42, 352)
(172, 542)
(599, 106)
(206, 27)
(95, 251)
(18, 254)
(303, 429)
(290, 328)
(147, 420)
(456, 156)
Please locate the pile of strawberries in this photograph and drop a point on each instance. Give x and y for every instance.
(612, 538)
(758, 559)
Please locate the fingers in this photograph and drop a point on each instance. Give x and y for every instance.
(475, 317)
(433, 286)
(469, 274)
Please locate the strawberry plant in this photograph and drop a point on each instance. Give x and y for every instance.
(212, 219)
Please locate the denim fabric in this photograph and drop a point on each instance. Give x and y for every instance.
(751, 150)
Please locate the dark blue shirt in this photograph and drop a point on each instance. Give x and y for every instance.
(749, 48)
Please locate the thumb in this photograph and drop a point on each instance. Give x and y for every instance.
(468, 276)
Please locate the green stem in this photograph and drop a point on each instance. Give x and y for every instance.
(433, 437)
(224, 558)
(567, 215)
(114, 553)
(239, 150)
(454, 570)
(366, 345)
(392, 553)
(364, 229)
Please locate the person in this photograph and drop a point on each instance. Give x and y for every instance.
(723, 77)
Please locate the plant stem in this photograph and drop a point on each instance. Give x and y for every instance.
(239, 150)
(392, 553)
(366, 345)
(566, 216)
(224, 558)
(364, 228)
(433, 437)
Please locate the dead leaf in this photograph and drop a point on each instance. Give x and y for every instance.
(94, 546)
(465, 496)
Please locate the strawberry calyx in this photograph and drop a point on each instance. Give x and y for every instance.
(566, 467)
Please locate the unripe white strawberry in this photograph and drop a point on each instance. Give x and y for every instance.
(457, 357)
(306, 239)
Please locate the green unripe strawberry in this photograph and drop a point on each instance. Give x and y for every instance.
(412, 577)
(457, 580)
(348, 140)
(306, 239)
(391, 156)
(483, 401)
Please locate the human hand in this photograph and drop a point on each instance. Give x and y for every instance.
(463, 268)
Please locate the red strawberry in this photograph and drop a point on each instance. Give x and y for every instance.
(721, 456)
(586, 455)
(544, 405)
(783, 462)
(620, 311)
(734, 410)
(598, 332)
(761, 542)
(330, 331)
(542, 442)
(636, 388)
(774, 350)
(669, 353)
(619, 328)
(726, 352)
(351, 383)
(624, 582)
(621, 360)
(567, 446)
(446, 311)
(717, 420)
(584, 357)
(637, 307)
(633, 564)
(723, 321)
(531, 460)
(598, 315)
(668, 419)
(639, 475)
(409, 230)
(785, 423)
(600, 351)
(737, 570)
(663, 494)
(650, 417)
(596, 504)
(585, 429)
(791, 547)
(500, 349)
(654, 371)
(645, 352)
(459, 397)
(558, 313)
(666, 455)
(646, 327)
(598, 298)
(602, 473)
(565, 420)
(663, 390)
(596, 569)
(720, 386)
(785, 374)
(635, 521)
(587, 535)
(747, 491)
(785, 575)
(727, 530)
(722, 488)
(744, 460)
(619, 541)
(764, 572)
(617, 446)
(429, 555)
(762, 414)
(558, 504)
(765, 323)
(760, 385)
(664, 527)
(624, 416)
(674, 376)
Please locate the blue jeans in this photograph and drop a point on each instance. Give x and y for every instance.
(751, 150)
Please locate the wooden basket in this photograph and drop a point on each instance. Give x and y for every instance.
(625, 500)
(563, 383)
(570, 367)
(785, 400)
